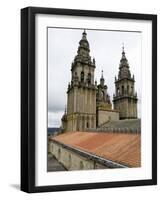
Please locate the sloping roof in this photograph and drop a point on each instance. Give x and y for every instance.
(126, 123)
(122, 148)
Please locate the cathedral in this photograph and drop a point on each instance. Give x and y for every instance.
(88, 102)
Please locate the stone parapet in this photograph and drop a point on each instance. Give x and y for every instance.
(75, 159)
(115, 130)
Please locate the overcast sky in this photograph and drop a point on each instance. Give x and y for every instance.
(105, 47)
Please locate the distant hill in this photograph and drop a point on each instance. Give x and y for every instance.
(53, 130)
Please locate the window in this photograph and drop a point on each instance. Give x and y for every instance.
(92, 122)
(82, 122)
(89, 78)
(122, 89)
(118, 91)
(82, 76)
(131, 89)
(128, 89)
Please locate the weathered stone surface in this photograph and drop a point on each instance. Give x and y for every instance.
(125, 98)
(76, 159)
(100, 147)
(132, 123)
(88, 103)
(105, 116)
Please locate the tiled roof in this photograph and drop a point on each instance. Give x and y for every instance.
(122, 148)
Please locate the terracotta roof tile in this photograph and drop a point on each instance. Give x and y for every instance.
(122, 148)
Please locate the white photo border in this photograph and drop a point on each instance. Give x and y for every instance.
(44, 178)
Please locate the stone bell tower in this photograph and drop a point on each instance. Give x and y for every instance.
(81, 93)
(104, 110)
(125, 97)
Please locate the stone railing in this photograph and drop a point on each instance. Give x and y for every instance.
(76, 159)
(115, 130)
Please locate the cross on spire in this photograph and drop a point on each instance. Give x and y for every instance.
(123, 47)
(123, 51)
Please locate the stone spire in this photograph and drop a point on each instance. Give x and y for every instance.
(124, 71)
(125, 98)
(82, 68)
(123, 61)
(64, 117)
(81, 92)
(102, 80)
(83, 51)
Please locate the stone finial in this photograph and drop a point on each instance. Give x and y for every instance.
(133, 77)
(102, 74)
(69, 85)
(96, 82)
(84, 35)
(122, 47)
(102, 79)
(94, 62)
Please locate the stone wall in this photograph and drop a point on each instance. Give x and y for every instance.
(81, 109)
(105, 116)
(74, 159)
(127, 107)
